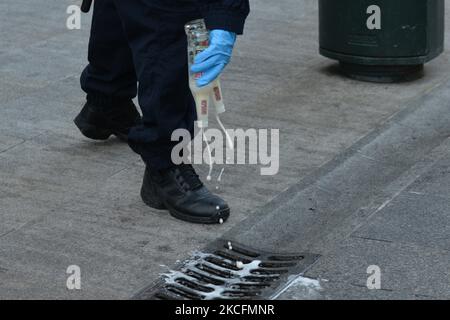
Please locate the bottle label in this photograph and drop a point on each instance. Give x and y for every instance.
(217, 94)
(204, 107)
(198, 75)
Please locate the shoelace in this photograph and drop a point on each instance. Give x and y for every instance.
(190, 177)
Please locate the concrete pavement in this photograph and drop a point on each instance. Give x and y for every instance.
(65, 200)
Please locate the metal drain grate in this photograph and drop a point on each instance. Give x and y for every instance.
(228, 271)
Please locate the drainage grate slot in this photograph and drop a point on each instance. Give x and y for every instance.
(233, 256)
(275, 272)
(222, 263)
(243, 251)
(214, 271)
(241, 294)
(184, 292)
(286, 258)
(262, 279)
(229, 271)
(204, 277)
(192, 285)
(251, 286)
(270, 264)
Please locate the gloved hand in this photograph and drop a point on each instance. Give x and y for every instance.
(215, 58)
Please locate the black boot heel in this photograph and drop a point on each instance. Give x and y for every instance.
(150, 197)
(91, 131)
(99, 123)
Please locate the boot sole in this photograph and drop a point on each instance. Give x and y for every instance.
(155, 203)
(224, 215)
(95, 133)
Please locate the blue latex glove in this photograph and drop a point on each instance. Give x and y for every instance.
(215, 58)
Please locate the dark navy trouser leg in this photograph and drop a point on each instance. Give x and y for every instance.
(110, 76)
(154, 34)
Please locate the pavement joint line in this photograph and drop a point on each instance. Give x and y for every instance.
(365, 287)
(24, 141)
(29, 223)
(361, 286)
(367, 157)
(118, 172)
(9, 232)
(371, 239)
(433, 195)
(387, 290)
(12, 147)
(405, 244)
(385, 203)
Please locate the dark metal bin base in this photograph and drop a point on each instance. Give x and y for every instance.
(382, 74)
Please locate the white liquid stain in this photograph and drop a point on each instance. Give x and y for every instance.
(229, 141)
(210, 162)
(306, 286)
(218, 291)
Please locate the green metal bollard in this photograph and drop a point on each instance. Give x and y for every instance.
(382, 40)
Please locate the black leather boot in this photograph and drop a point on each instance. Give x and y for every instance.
(180, 191)
(99, 123)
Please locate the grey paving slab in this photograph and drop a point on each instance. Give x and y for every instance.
(109, 235)
(27, 286)
(408, 269)
(416, 216)
(435, 183)
(40, 64)
(34, 114)
(119, 247)
(34, 172)
(318, 211)
(334, 290)
(32, 22)
(407, 236)
(35, 254)
(439, 122)
(412, 219)
(401, 149)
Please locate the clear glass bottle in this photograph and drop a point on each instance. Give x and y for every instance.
(198, 41)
